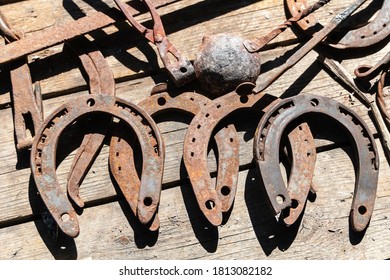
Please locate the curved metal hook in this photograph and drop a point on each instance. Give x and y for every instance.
(267, 139)
(43, 156)
(371, 33)
(197, 139)
(190, 103)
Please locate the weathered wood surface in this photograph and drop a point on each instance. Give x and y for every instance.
(107, 230)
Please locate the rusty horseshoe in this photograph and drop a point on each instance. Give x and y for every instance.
(373, 32)
(267, 139)
(43, 155)
(189, 103)
(198, 137)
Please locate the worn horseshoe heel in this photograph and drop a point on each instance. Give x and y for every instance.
(43, 155)
(121, 153)
(266, 145)
(371, 33)
(197, 139)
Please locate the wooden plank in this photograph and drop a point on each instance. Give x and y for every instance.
(251, 232)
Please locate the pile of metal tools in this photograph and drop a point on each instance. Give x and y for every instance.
(236, 87)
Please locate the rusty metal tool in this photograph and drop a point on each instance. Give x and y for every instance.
(100, 81)
(190, 103)
(342, 74)
(43, 155)
(267, 139)
(180, 70)
(199, 134)
(26, 96)
(262, 84)
(371, 33)
(60, 33)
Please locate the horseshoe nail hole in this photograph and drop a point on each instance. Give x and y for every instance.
(148, 201)
(207, 115)
(225, 190)
(362, 37)
(308, 21)
(119, 139)
(183, 69)
(300, 127)
(218, 106)
(362, 210)
(192, 154)
(299, 11)
(294, 203)
(210, 204)
(384, 25)
(193, 140)
(280, 199)
(161, 101)
(375, 32)
(119, 168)
(308, 154)
(91, 102)
(65, 217)
(231, 140)
(244, 99)
(199, 126)
(314, 102)
(117, 154)
(192, 99)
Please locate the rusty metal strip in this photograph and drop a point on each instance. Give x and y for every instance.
(267, 139)
(180, 70)
(43, 155)
(371, 33)
(26, 96)
(197, 139)
(160, 102)
(255, 45)
(62, 32)
(100, 81)
(262, 84)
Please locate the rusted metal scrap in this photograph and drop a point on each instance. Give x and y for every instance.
(267, 139)
(190, 103)
(367, 71)
(373, 32)
(198, 136)
(180, 70)
(43, 155)
(26, 96)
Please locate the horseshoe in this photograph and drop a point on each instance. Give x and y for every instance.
(267, 139)
(189, 103)
(197, 139)
(371, 33)
(43, 155)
